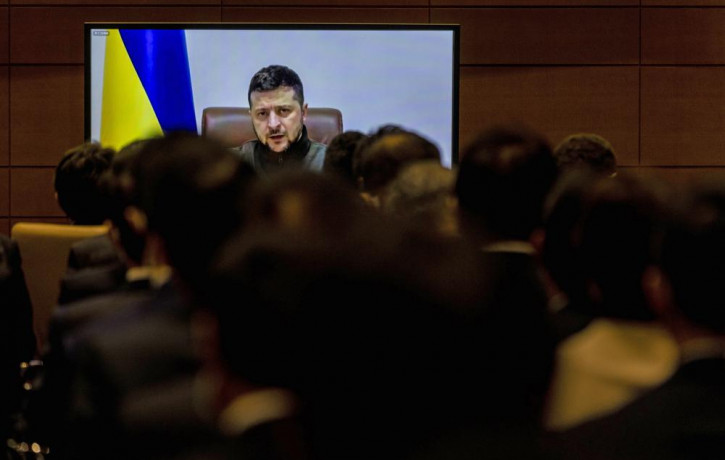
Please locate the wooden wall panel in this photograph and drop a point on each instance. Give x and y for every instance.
(4, 192)
(346, 15)
(683, 2)
(115, 2)
(32, 194)
(5, 226)
(4, 121)
(312, 3)
(683, 115)
(46, 113)
(4, 34)
(509, 3)
(556, 101)
(545, 35)
(47, 220)
(683, 36)
(62, 39)
(679, 176)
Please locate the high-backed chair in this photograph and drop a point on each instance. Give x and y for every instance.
(44, 250)
(232, 126)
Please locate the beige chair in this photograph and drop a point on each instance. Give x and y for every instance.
(232, 126)
(44, 250)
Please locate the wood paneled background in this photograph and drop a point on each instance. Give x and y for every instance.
(649, 75)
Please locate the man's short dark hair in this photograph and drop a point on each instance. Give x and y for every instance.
(189, 188)
(588, 151)
(693, 256)
(504, 177)
(340, 153)
(77, 183)
(386, 151)
(274, 76)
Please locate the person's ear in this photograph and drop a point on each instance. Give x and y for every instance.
(136, 219)
(304, 112)
(658, 292)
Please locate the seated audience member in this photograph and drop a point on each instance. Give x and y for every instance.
(77, 185)
(563, 211)
(345, 336)
(133, 370)
(80, 194)
(587, 151)
(17, 340)
(422, 193)
(382, 155)
(339, 157)
(503, 177)
(623, 352)
(683, 417)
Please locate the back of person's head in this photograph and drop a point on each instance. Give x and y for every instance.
(77, 183)
(422, 192)
(120, 183)
(562, 215)
(693, 257)
(189, 188)
(339, 155)
(621, 218)
(386, 151)
(586, 151)
(504, 177)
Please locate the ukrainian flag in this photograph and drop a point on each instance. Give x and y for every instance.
(146, 86)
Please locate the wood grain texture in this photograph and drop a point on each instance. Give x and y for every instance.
(62, 39)
(328, 3)
(46, 113)
(683, 36)
(4, 108)
(508, 3)
(678, 176)
(683, 114)
(4, 192)
(683, 2)
(4, 35)
(115, 2)
(557, 101)
(545, 35)
(32, 193)
(326, 15)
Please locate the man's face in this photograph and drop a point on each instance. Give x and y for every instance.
(277, 117)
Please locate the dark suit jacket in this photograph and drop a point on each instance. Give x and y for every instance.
(117, 359)
(17, 339)
(92, 252)
(518, 343)
(684, 419)
(94, 267)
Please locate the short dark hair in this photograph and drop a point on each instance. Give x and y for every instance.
(77, 183)
(274, 76)
(340, 153)
(586, 150)
(387, 151)
(189, 188)
(504, 177)
(120, 183)
(693, 256)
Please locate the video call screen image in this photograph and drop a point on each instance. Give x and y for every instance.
(147, 79)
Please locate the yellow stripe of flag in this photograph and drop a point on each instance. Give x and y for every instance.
(127, 114)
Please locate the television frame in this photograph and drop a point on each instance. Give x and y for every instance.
(455, 63)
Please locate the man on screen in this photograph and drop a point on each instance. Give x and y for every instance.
(278, 110)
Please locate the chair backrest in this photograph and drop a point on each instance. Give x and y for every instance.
(232, 126)
(44, 250)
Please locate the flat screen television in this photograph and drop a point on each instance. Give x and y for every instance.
(160, 77)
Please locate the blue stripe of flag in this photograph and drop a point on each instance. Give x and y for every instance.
(162, 64)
